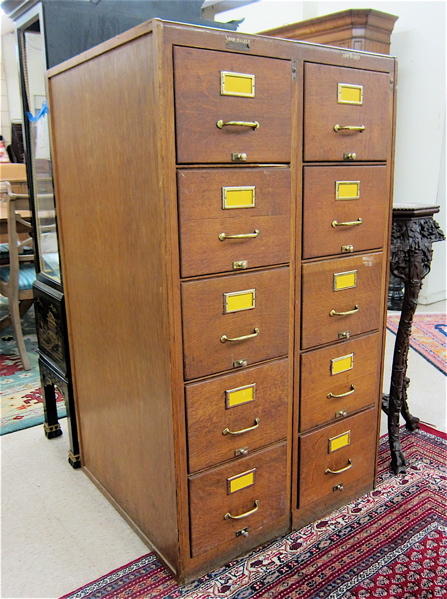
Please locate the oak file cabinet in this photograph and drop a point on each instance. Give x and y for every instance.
(182, 256)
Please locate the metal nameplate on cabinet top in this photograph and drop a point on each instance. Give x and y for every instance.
(350, 94)
(237, 84)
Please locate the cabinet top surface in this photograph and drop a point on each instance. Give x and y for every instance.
(172, 33)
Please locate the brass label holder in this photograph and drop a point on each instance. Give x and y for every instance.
(238, 301)
(350, 94)
(345, 280)
(240, 395)
(237, 84)
(241, 481)
(342, 364)
(340, 441)
(347, 190)
(238, 197)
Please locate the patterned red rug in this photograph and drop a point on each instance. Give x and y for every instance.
(428, 336)
(391, 543)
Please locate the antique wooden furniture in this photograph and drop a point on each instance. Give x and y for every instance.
(413, 232)
(18, 276)
(225, 280)
(356, 28)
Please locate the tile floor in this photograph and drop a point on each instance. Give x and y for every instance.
(59, 532)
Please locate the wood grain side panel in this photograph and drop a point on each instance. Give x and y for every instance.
(111, 222)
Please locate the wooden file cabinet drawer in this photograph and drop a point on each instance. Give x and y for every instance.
(243, 495)
(336, 456)
(340, 298)
(343, 97)
(221, 87)
(345, 209)
(254, 400)
(241, 317)
(338, 380)
(215, 204)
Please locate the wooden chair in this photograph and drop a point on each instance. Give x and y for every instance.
(17, 278)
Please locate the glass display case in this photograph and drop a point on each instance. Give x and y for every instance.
(33, 57)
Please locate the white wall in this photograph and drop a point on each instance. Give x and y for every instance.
(418, 42)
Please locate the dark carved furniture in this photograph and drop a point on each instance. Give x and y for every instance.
(413, 232)
(358, 28)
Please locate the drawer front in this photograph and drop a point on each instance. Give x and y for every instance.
(336, 456)
(233, 318)
(341, 298)
(345, 209)
(344, 97)
(219, 203)
(214, 88)
(254, 400)
(256, 484)
(338, 380)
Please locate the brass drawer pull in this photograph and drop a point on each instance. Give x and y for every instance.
(329, 471)
(229, 516)
(226, 431)
(225, 338)
(359, 128)
(334, 313)
(255, 233)
(329, 395)
(253, 124)
(351, 223)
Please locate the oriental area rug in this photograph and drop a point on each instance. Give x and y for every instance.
(391, 543)
(21, 397)
(428, 336)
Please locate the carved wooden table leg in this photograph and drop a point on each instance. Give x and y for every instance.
(413, 233)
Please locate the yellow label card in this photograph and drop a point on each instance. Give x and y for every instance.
(342, 364)
(241, 481)
(345, 280)
(350, 94)
(238, 197)
(237, 84)
(239, 396)
(239, 300)
(347, 190)
(339, 441)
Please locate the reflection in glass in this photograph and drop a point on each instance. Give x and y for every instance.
(40, 156)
